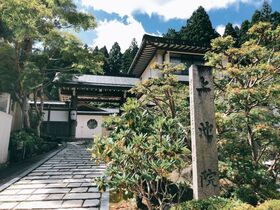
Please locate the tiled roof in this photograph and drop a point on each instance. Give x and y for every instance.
(149, 47)
(101, 81)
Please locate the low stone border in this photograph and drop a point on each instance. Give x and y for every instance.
(104, 202)
(36, 165)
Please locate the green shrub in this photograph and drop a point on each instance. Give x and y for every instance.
(147, 143)
(246, 194)
(25, 144)
(269, 205)
(214, 203)
(209, 204)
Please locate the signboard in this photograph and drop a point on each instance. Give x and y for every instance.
(204, 145)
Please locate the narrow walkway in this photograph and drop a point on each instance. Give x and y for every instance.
(65, 181)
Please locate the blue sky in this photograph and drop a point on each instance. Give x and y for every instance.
(123, 20)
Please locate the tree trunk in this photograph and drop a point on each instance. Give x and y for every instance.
(25, 112)
(27, 49)
(40, 120)
(39, 111)
(148, 203)
(253, 144)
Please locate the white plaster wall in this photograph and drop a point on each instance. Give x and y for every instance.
(182, 78)
(59, 116)
(5, 99)
(5, 130)
(82, 130)
(17, 123)
(152, 73)
(148, 72)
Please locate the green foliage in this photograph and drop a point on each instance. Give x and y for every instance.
(233, 32)
(269, 205)
(115, 63)
(148, 142)
(275, 19)
(38, 47)
(264, 15)
(230, 31)
(106, 66)
(214, 203)
(172, 34)
(243, 36)
(25, 144)
(219, 203)
(115, 60)
(128, 56)
(199, 30)
(8, 73)
(247, 101)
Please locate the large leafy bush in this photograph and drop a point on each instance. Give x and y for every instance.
(149, 141)
(247, 104)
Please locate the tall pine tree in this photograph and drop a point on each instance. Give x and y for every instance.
(263, 15)
(199, 30)
(233, 32)
(266, 12)
(275, 18)
(172, 34)
(230, 31)
(115, 60)
(243, 36)
(106, 66)
(128, 56)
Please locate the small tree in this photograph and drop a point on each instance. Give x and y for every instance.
(248, 111)
(27, 24)
(149, 141)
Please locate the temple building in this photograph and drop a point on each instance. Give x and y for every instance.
(76, 115)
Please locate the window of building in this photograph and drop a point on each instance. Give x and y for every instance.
(92, 124)
(187, 60)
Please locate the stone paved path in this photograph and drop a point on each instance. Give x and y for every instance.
(65, 181)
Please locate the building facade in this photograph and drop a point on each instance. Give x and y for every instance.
(85, 121)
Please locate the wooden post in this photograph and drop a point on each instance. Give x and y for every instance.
(73, 122)
(204, 145)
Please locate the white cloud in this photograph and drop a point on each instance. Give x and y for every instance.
(112, 31)
(167, 8)
(221, 29)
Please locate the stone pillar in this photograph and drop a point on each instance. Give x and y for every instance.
(204, 145)
(73, 108)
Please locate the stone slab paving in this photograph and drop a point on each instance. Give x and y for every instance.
(65, 181)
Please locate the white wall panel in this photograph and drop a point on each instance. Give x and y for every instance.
(59, 116)
(82, 130)
(5, 130)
